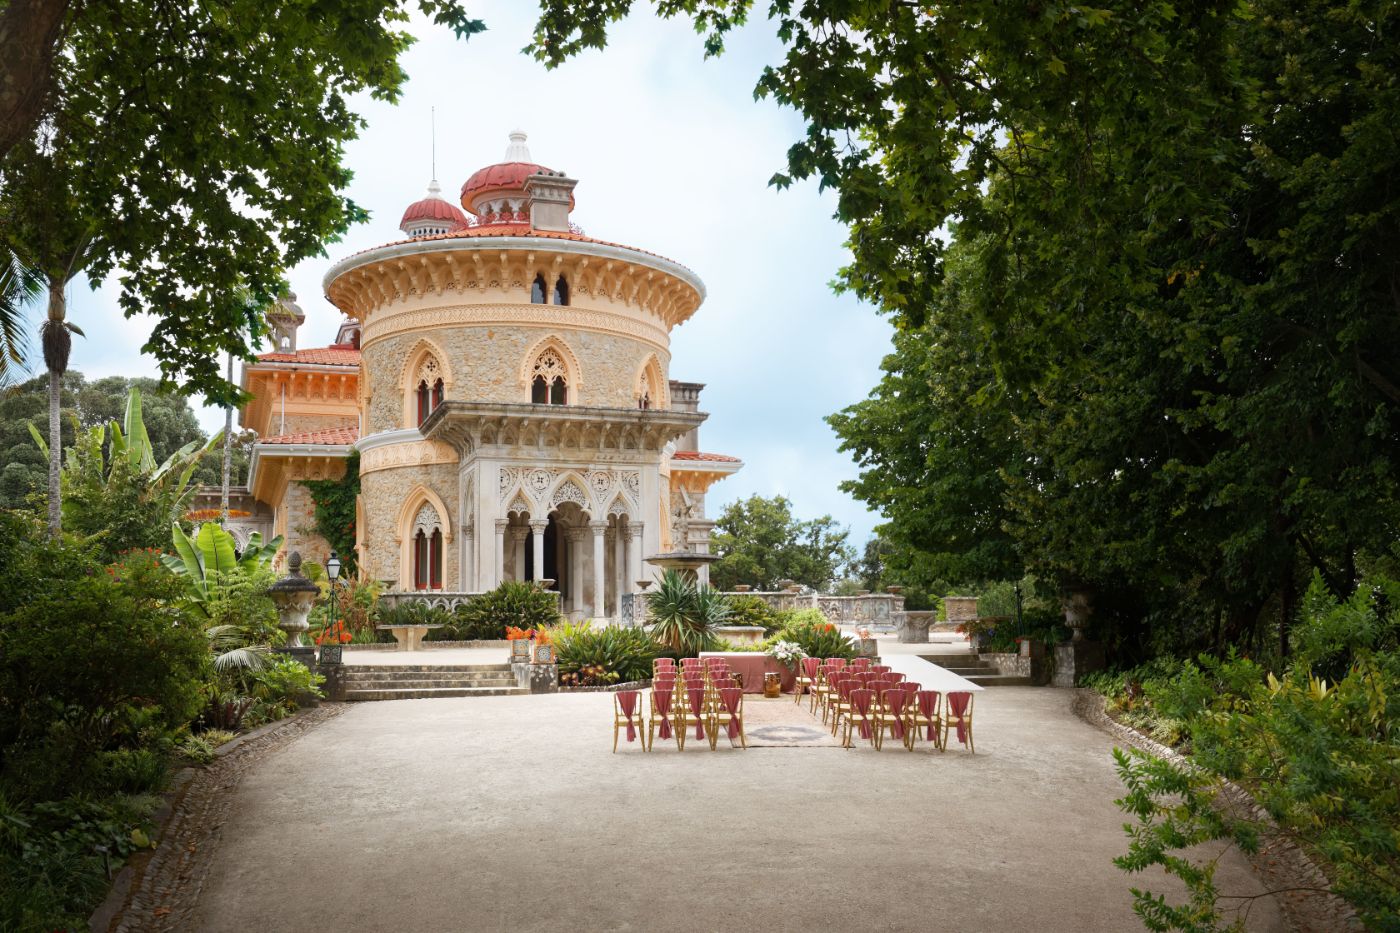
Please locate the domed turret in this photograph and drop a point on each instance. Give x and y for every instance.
(434, 214)
(497, 194)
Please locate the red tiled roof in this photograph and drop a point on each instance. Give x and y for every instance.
(521, 228)
(337, 354)
(503, 176)
(328, 436)
(701, 455)
(434, 209)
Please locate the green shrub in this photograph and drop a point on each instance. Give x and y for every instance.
(93, 659)
(626, 652)
(513, 603)
(286, 683)
(416, 612)
(753, 610)
(817, 636)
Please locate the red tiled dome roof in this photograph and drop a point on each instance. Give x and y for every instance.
(434, 209)
(503, 176)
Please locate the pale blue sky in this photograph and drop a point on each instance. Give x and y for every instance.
(672, 155)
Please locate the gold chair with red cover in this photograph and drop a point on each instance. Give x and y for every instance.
(958, 717)
(659, 722)
(693, 710)
(860, 719)
(729, 715)
(627, 711)
(806, 680)
(924, 714)
(891, 715)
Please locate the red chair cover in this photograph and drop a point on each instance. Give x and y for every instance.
(729, 699)
(691, 663)
(696, 695)
(894, 702)
(627, 699)
(860, 706)
(880, 668)
(837, 663)
(957, 705)
(810, 666)
(661, 702)
(861, 664)
(663, 664)
(928, 706)
(909, 687)
(894, 677)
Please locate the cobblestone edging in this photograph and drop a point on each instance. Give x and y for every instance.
(609, 688)
(158, 891)
(1279, 863)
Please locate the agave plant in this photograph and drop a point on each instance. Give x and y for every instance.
(684, 615)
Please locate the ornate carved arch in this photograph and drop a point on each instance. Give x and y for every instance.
(573, 372)
(650, 382)
(571, 487)
(414, 362)
(410, 511)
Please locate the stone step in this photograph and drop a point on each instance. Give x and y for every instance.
(412, 683)
(1001, 680)
(424, 693)
(433, 668)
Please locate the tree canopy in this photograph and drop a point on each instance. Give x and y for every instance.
(759, 542)
(1141, 258)
(197, 152)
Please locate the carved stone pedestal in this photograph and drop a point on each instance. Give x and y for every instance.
(1075, 659)
(913, 626)
(538, 678)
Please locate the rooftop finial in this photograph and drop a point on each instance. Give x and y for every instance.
(435, 190)
(517, 151)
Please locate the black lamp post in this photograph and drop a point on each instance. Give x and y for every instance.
(331, 653)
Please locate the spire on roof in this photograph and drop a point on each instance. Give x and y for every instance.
(517, 151)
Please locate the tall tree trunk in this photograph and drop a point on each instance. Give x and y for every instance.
(55, 449)
(58, 342)
(30, 34)
(228, 451)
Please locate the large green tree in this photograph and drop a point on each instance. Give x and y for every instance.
(759, 542)
(1142, 260)
(170, 424)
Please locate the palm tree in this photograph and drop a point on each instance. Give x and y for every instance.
(19, 286)
(56, 334)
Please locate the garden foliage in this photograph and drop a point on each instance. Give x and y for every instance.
(513, 603)
(682, 615)
(614, 654)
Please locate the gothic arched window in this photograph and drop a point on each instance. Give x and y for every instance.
(561, 291)
(537, 291)
(549, 384)
(430, 390)
(427, 550)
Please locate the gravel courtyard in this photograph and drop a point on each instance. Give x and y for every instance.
(511, 813)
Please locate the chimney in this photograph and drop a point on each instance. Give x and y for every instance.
(685, 396)
(549, 195)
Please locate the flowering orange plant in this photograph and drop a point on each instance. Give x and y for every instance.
(519, 634)
(542, 638)
(828, 627)
(335, 633)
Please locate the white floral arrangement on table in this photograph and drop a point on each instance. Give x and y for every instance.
(787, 653)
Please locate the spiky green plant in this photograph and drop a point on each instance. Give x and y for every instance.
(683, 615)
(627, 652)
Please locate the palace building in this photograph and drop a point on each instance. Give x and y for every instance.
(505, 380)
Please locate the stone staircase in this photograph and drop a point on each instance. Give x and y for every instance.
(982, 673)
(421, 681)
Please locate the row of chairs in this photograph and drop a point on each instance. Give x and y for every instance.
(872, 701)
(704, 697)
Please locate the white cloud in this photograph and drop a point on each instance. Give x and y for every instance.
(673, 156)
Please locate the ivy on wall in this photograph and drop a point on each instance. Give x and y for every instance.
(335, 510)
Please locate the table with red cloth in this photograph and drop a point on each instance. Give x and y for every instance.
(752, 665)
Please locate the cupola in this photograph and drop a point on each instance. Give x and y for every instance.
(283, 319)
(499, 194)
(432, 215)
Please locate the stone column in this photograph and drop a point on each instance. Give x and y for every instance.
(467, 579)
(600, 529)
(537, 530)
(634, 555)
(576, 539)
(517, 537)
(619, 566)
(501, 525)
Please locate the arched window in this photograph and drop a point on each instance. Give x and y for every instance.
(645, 401)
(427, 550)
(561, 291)
(549, 385)
(430, 389)
(537, 291)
